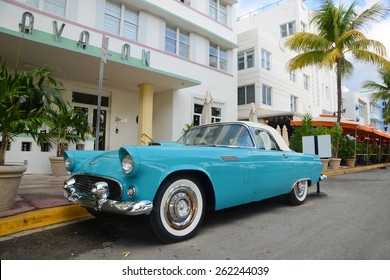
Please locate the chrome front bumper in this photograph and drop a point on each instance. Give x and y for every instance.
(100, 201)
(323, 177)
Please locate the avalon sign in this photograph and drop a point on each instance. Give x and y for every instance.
(27, 25)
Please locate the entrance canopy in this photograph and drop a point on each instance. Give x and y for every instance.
(350, 127)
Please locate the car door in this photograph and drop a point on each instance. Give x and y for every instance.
(273, 167)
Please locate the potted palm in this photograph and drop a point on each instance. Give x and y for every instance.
(22, 100)
(347, 151)
(66, 125)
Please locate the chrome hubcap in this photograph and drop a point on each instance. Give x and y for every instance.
(300, 189)
(181, 207)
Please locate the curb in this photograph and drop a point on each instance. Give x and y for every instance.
(41, 218)
(354, 169)
(55, 215)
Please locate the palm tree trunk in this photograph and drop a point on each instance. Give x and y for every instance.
(339, 65)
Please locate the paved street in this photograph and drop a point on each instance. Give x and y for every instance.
(351, 222)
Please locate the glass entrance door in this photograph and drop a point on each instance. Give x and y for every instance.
(88, 103)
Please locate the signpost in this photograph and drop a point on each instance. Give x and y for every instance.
(103, 60)
(317, 145)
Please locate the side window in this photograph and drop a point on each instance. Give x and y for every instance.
(264, 140)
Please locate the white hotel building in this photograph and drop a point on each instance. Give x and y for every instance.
(279, 95)
(163, 56)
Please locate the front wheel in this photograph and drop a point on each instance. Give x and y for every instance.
(298, 193)
(178, 209)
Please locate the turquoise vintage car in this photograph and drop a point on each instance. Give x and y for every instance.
(211, 166)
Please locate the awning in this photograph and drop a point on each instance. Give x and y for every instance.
(349, 127)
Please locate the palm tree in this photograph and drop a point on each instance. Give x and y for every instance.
(340, 32)
(65, 125)
(23, 96)
(381, 91)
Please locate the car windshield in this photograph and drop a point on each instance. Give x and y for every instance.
(218, 135)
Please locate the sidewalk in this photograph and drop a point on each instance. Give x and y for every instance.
(40, 202)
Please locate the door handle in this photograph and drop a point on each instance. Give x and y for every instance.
(285, 156)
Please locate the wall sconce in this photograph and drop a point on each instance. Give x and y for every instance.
(119, 120)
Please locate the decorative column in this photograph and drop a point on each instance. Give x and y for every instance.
(145, 113)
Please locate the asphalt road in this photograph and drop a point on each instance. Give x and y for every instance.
(352, 222)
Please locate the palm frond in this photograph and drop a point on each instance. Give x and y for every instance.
(374, 14)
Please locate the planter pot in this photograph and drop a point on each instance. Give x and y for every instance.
(334, 163)
(10, 176)
(57, 166)
(325, 163)
(350, 162)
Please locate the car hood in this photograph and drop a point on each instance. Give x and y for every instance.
(106, 163)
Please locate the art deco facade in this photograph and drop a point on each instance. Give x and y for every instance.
(162, 58)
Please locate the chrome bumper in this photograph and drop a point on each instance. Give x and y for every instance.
(323, 177)
(99, 201)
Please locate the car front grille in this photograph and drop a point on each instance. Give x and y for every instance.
(84, 184)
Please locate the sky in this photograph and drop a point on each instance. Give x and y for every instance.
(379, 31)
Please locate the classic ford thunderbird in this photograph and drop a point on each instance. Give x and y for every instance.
(211, 166)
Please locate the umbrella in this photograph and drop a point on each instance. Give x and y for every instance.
(206, 111)
(253, 113)
(285, 135)
(279, 130)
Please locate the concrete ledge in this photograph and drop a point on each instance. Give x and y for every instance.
(40, 218)
(341, 171)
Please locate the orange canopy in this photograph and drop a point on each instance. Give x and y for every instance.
(349, 127)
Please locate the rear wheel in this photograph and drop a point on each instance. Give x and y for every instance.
(178, 209)
(298, 193)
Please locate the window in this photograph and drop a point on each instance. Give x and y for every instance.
(8, 146)
(293, 103)
(26, 146)
(287, 29)
(292, 76)
(245, 59)
(246, 95)
(218, 57)
(130, 24)
(55, 6)
(115, 24)
(216, 114)
(218, 11)
(32, 3)
(170, 39)
(305, 81)
(265, 59)
(45, 147)
(264, 140)
(177, 42)
(52, 6)
(267, 95)
(375, 124)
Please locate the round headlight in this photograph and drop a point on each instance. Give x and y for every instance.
(127, 164)
(67, 163)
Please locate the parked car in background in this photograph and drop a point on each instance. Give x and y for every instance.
(211, 166)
